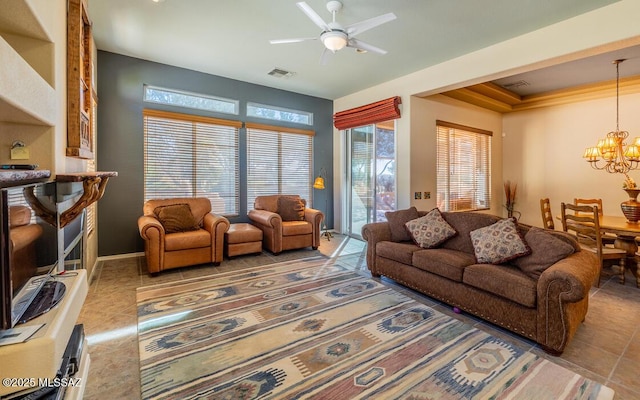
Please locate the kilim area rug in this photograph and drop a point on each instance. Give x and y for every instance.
(316, 329)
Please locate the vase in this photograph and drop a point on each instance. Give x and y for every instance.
(631, 207)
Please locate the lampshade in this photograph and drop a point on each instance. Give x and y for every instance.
(334, 40)
(318, 183)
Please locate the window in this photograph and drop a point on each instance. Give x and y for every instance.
(192, 156)
(279, 161)
(279, 114)
(463, 167)
(198, 101)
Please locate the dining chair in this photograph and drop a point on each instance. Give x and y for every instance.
(584, 223)
(589, 202)
(547, 216)
(607, 238)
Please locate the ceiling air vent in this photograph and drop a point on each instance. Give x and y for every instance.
(516, 84)
(281, 73)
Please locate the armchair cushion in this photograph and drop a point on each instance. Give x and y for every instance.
(291, 208)
(176, 218)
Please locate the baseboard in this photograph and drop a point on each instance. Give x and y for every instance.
(120, 256)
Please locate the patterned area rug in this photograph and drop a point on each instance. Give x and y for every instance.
(317, 329)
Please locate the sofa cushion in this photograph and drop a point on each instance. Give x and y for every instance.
(430, 230)
(546, 250)
(401, 252)
(464, 223)
(397, 221)
(290, 208)
(498, 243)
(503, 280)
(176, 218)
(444, 262)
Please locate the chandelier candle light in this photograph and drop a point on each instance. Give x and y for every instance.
(616, 158)
(619, 159)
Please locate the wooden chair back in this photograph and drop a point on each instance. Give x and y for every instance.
(584, 223)
(589, 202)
(547, 216)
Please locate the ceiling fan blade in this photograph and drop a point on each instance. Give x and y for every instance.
(365, 25)
(360, 45)
(292, 40)
(324, 58)
(313, 16)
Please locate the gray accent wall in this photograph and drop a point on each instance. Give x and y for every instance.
(120, 137)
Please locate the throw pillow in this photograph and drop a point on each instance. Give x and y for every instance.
(176, 218)
(546, 250)
(291, 208)
(499, 242)
(431, 230)
(397, 221)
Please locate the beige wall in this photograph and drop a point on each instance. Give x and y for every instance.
(543, 153)
(568, 40)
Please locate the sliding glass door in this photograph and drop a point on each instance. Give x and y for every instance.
(371, 174)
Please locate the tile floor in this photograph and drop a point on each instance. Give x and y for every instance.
(606, 348)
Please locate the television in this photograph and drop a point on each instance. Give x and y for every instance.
(28, 252)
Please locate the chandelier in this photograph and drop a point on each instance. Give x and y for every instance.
(611, 149)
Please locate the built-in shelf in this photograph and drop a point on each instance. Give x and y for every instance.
(25, 97)
(19, 18)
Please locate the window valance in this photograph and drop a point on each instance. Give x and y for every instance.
(380, 111)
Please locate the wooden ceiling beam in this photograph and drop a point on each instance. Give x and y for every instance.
(480, 100)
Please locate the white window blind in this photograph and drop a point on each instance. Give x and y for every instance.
(192, 156)
(279, 161)
(463, 167)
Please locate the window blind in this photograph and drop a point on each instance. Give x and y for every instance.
(192, 156)
(279, 161)
(380, 111)
(463, 167)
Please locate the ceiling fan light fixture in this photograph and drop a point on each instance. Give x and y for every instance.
(334, 40)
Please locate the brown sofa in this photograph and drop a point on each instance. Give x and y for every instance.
(286, 222)
(547, 310)
(201, 243)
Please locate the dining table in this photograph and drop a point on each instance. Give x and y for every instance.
(626, 233)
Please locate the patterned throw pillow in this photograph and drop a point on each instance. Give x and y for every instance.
(499, 242)
(431, 230)
(176, 218)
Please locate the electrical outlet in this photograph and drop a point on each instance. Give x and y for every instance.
(427, 195)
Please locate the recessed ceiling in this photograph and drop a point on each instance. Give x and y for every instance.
(587, 78)
(231, 38)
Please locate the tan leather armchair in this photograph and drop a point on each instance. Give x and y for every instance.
(201, 243)
(284, 233)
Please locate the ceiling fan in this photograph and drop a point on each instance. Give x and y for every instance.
(336, 37)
